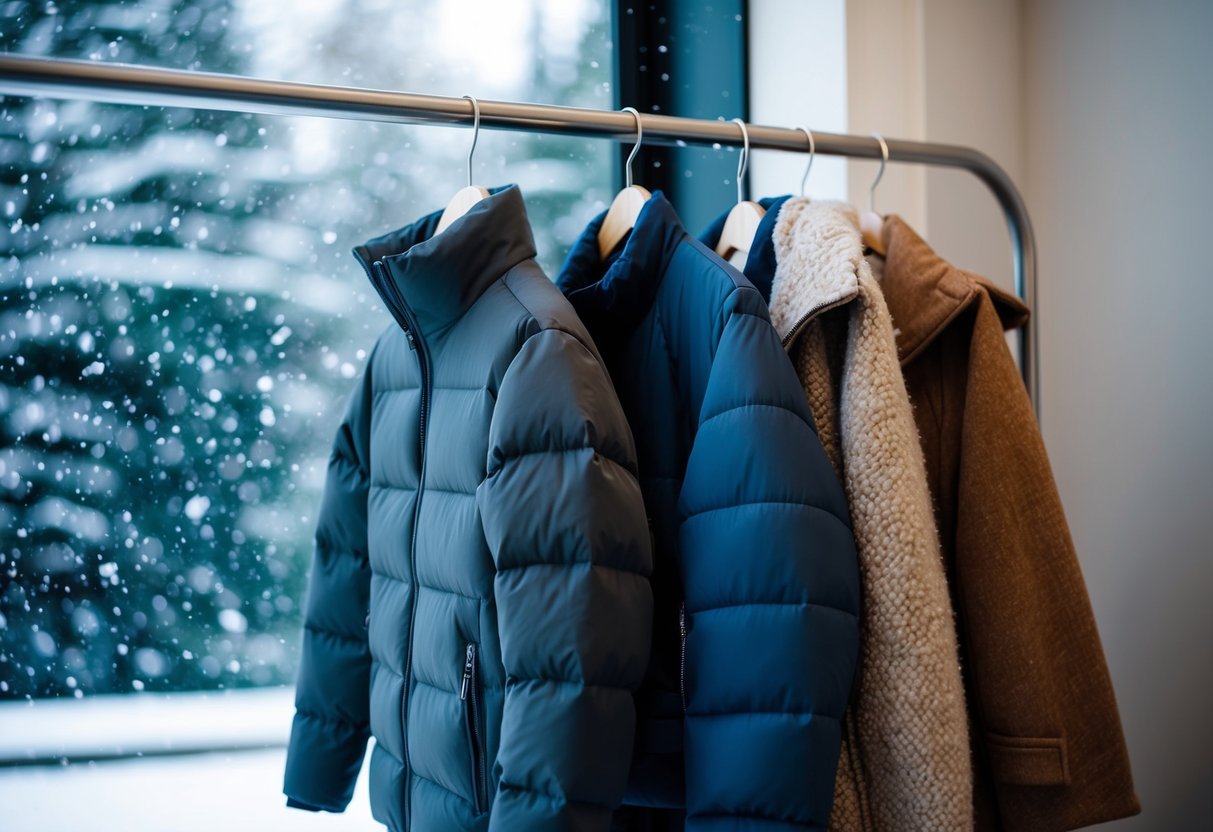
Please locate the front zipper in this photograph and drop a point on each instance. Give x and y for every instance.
(469, 692)
(682, 660)
(394, 300)
(396, 305)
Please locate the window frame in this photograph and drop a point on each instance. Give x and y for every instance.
(709, 46)
(679, 39)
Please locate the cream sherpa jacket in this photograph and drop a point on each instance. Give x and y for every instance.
(905, 754)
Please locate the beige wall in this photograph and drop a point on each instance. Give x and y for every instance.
(1120, 182)
(885, 94)
(974, 97)
(915, 70)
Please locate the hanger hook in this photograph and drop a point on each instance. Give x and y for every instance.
(475, 133)
(744, 161)
(812, 153)
(884, 160)
(636, 147)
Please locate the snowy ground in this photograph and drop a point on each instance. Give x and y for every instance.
(185, 792)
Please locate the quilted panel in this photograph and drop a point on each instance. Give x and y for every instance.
(488, 362)
(751, 529)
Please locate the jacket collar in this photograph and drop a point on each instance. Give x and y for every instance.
(819, 251)
(760, 263)
(925, 293)
(619, 290)
(440, 277)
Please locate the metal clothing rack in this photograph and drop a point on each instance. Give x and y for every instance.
(146, 86)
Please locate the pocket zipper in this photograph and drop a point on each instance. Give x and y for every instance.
(469, 693)
(682, 660)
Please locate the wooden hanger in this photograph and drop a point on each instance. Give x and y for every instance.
(465, 197)
(871, 224)
(741, 225)
(625, 208)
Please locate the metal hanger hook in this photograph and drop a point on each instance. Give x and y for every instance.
(812, 154)
(636, 147)
(475, 133)
(744, 161)
(884, 160)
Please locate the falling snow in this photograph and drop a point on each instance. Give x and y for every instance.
(165, 402)
(181, 320)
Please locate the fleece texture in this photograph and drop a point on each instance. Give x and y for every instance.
(905, 756)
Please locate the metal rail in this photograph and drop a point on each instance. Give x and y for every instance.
(146, 86)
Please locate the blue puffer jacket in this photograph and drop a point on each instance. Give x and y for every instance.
(760, 262)
(756, 587)
(480, 599)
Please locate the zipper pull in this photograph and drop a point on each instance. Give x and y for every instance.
(682, 654)
(408, 333)
(469, 663)
(379, 271)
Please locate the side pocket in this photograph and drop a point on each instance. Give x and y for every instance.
(1028, 761)
(469, 692)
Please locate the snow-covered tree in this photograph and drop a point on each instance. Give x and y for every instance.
(181, 319)
(157, 384)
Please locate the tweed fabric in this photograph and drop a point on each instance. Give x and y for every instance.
(1048, 750)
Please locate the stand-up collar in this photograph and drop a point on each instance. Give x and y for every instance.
(760, 262)
(618, 291)
(820, 255)
(925, 293)
(440, 277)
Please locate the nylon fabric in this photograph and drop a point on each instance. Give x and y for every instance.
(482, 510)
(751, 538)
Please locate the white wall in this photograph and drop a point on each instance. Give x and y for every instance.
(798, 70)
(1119, 180)
(1100, 110)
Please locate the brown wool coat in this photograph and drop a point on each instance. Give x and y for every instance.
(905, 754)
(1048, 751)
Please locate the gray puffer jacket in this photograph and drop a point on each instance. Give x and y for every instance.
(480, 599)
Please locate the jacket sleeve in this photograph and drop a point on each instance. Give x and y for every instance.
(332, 693)
(771, 587)
(565, 522)
(1045, 714)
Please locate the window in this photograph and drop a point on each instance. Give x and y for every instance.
(180, 322)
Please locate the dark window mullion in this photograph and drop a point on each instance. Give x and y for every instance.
(683, 59)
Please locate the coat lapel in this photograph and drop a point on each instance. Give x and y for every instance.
(925, 293)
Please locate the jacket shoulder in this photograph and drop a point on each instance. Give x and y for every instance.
(699, 287)
(723, 271)
(543, 306)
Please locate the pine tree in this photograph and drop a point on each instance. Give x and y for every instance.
(180, 321)
(159, 446)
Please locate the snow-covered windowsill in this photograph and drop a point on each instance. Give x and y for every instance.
(183, 762)
(129, 725)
